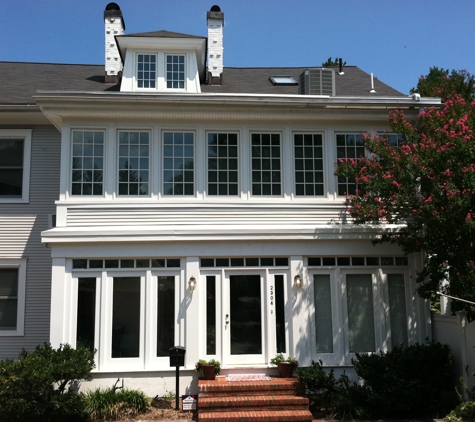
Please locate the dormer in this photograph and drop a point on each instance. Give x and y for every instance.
(162, 62)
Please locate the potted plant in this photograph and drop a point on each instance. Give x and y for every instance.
(209, 368)
(285, 365)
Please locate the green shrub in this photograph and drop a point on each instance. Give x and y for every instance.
(408, 382)
(41, 385)
(110, 404)
(463, 412)
(339, 398)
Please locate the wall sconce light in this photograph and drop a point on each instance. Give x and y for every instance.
(192, 283)
(298, 281)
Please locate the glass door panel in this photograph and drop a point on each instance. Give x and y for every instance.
(246, 319)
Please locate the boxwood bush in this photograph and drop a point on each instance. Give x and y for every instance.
(42, 385)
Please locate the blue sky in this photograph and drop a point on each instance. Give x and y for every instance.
(396, 40)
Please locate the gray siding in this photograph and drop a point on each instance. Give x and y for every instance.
(20, 237)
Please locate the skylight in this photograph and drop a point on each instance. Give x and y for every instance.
(283, 80)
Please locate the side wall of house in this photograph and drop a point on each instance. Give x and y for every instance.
(21, 225)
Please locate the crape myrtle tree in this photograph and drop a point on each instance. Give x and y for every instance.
(426, 187)
(441, 83)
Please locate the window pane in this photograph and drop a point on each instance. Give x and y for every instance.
(175, 71)
(266, 156)
(360, 313)
(133, 163)
(86, 313)
(397, 310)
(323, 313)
(179, 164)
(279, 314)
(349, 146)
(146, 79)
(221, 158)
(308, 152)
(87, 163)
(11, 167)
(211, 315)
(8, 298)
(126, 317)
(165, 314)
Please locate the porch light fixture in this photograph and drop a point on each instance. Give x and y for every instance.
(298, 281)
(192, 283)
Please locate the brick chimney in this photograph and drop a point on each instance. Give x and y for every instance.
(114, 25)
(215, 20)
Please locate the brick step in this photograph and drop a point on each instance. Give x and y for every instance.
(267, 402)
(256, 416)
(285, 386)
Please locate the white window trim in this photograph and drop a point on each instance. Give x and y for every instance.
(20, 264)
(185, 55)
(24, 134)
(158, 58)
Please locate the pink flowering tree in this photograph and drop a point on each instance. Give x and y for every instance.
(425, 186)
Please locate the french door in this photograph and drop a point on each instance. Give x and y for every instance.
(244, 325)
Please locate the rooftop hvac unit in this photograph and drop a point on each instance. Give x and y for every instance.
(317, 82)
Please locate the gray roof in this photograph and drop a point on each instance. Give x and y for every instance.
(354, 82)
(19, 81)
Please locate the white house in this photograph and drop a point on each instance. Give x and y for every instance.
(169, 200)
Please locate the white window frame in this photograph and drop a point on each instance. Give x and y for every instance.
(136, 70)
(20, 265)
(147, 359)
(324, 167)
(25, 135)
(185, 73)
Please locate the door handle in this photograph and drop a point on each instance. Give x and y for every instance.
(227, 319)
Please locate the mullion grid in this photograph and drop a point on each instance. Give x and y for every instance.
(308, 150)
(146, 70)
(266, 164)
(348, 146)
(175, 71)
(178, 163)
(222, 164)
(11, 167)
(133, 163)
(88, 163)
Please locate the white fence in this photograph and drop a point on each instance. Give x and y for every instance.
(460, 336)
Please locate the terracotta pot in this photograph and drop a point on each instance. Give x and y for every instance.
(209, 372)
(285, 369)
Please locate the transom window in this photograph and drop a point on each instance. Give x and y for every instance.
(266, 164)
(175, 71)
(222, 164)
(348, 146)
(178, 163)
(146, 70)
(88, 163)
(134, 154)
(308, 150)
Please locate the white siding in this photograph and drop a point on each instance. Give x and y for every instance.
(20, 237)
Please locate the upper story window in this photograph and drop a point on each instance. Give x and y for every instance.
(175, 75)
(178, 163)
(88, 162)
(223, 175)
(308, 152)
(146, 70)
(134, 151)
(15, 148)
(348, 145)
(266, 164)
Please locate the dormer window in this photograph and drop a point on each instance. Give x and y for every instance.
(175, 71)
(146, 70)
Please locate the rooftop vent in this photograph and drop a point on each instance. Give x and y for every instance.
(318, 81)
